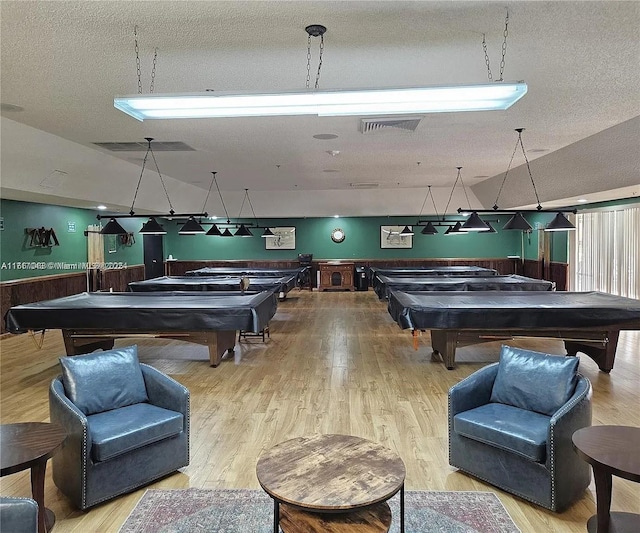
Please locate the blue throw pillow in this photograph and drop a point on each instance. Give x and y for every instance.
(103, 381)
(534, 381)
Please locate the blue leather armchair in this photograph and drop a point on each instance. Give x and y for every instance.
(510, 424)
(18, 515)
(128, 425)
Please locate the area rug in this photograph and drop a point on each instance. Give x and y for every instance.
(251, 511)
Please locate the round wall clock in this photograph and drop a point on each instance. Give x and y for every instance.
(337, 235)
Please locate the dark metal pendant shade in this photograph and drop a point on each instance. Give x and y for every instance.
(429, 229)
(268, 233)
(455, 230)
(475, 223)
(560, 223)
(151, 227)
(243, 231)
(214, 230)
(191, 227)
(113, 228)
(227, 233)
(518, 222)
(406, 231)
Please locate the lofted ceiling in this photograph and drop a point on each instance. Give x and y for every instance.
(63, 62)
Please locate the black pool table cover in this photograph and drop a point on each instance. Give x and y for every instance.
(453, 270)
(132, 311)
(510, 282)
(215, 283)
(246, 271)
(454, 318)
(504, 309)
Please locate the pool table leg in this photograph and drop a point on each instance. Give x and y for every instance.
(76, 346)
(603, 354)
(219, 342)
(444, 342)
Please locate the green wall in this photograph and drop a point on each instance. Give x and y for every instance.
(313, 235)
(559, 239)
(20, 260)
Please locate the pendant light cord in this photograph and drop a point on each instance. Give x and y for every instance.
(208, 193)
(251, 205)
(515, 149)
(220, 194)
(171, 211)
(451, 194)
(135, 195)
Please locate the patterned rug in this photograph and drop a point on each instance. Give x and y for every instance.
(251, 511)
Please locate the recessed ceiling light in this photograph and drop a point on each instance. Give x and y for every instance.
(336, 216)
(333, 152)
(582, 200)
(325, 136)
(11, 107)
(101, 207)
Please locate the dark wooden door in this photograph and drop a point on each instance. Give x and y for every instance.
(153, 256)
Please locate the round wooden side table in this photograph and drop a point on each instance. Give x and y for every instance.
(314, 477)
(30, 445)
(610, 450)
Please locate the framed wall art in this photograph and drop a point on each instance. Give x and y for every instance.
(284, 238)
(391, 237)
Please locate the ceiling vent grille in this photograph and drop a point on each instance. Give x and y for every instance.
(363, 185)
(158, 146)
(372, 125)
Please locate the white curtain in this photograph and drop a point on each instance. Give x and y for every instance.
(605, 252)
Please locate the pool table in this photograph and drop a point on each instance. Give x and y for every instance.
(510, 282)
(589, 322)
(92, 320)
(247, 271)
(454, 270)
(280, 284)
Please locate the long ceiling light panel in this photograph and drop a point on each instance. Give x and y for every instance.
(487, 97)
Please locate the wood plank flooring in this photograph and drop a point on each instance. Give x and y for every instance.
(336, 363)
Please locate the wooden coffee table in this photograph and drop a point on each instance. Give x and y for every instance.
(331, 483)
(610, 450)
(30, 445)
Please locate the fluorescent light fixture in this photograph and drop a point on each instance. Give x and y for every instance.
(484, 97)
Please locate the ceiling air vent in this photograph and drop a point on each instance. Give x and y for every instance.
(363, 185)
(372, 125)
(158, 146)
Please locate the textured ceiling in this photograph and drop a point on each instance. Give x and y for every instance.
(63, 62)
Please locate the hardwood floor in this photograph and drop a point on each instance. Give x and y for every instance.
(336, 363)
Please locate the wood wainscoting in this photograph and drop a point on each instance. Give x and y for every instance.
(556, 272)
(28, 290)
(179, 268)
(118, 279)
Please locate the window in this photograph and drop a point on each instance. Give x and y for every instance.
(605, 252)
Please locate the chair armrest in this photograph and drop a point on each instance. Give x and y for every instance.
(18, 515)
(572, 416)
(166, 392)
(62, 411)
(70, 464)
(472, 391)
